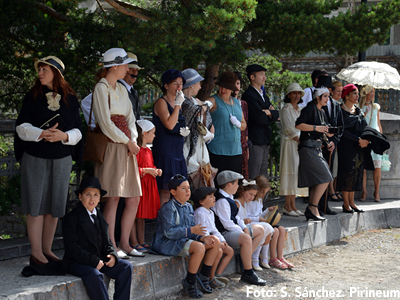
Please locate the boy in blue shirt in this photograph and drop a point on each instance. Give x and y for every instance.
(177, 235)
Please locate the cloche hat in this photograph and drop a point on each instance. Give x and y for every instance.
(51, 61)
(192, 77)
(294, 87)
(170, 75)
(115, 57)
(228, 80)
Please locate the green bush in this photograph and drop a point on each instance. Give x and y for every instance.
(10, 193)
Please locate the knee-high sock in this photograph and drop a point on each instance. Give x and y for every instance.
(265, 253)
(255, 257)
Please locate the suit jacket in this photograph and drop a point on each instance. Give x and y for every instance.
(80, 238)
(259, 123)
(134, 97)
(335, 119)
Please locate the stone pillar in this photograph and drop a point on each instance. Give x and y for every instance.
(389, 188)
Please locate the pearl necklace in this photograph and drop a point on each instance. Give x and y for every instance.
(350, 110)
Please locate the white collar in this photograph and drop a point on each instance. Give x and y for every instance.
(225, 194)
(128, 87)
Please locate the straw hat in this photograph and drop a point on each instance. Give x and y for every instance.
(115, 57)
(51, 61)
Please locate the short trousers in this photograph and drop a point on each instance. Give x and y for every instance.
(185, 250)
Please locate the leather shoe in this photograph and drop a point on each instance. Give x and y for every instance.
(253, 279)
(33, 261)
(348, 211)
(331, 212)
(51, 258)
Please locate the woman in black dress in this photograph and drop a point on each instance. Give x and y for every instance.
(351, 156)
(314, 171)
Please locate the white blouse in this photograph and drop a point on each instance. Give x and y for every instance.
(119, 105)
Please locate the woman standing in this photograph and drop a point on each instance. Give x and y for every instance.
(171, 130)
(225, 149)
(195, 112)
(119, 174)
(371, 114)
(289, 160)
(47, 140)
(351, 156)
(314, 171)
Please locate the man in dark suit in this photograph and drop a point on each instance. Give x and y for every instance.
(261, 116)
(88, 250)
(334, 115)
(128, 81)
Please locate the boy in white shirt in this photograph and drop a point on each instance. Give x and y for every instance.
(203, 199)
(232, 227)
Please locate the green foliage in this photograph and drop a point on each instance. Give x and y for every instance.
(10, 193)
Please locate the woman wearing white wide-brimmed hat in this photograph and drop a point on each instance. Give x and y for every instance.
(119, 174)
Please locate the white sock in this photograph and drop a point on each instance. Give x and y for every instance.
(265, 253)
(255, 257)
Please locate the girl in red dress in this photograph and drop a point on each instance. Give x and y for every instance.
(150, 199)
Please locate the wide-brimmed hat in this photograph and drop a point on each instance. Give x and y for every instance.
(134, 63)
(228, 80)
(115, 57)
(294, 87)
(170, 75)
(51, 61)
(192, 77)
(273, 217)
(90, 182)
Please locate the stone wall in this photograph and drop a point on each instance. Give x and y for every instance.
(13, 225)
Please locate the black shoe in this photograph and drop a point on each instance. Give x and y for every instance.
(350, 211)
(203, 283)
(321, 213)
(253, 279)
(192, 290)
(331, 212)
(357, 210)
(309, 215)
(337, 199)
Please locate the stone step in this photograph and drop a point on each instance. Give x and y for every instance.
(156, 277)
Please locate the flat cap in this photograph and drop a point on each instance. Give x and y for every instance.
(255, 68)
(228, 176)
(201, 193)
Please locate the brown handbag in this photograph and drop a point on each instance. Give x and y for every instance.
(96, 141)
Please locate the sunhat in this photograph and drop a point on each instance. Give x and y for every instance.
(294, 87)
(228, 80)
(51, 61)
(192, 77)
(90, 182)
(115, 57)
(134, 63)
(273, 217)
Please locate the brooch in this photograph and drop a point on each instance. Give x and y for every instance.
(54, 102)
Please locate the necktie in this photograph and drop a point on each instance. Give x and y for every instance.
(99, 237)
(96, 222)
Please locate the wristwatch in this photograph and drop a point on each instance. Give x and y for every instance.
(315, 127)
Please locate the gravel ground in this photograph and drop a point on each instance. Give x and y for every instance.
(365, 266)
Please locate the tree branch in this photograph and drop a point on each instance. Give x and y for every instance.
(153, 81)
(133, 11)
(18, 40)
(52, 12)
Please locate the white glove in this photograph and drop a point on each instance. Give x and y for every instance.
(209, 104)
(184, 131)
(180, 97)
(235, 121)
(367, 109)
(209, 136)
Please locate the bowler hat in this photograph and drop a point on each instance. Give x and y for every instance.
(170, 75)
(228, 80)
(90, 182)
(51, 61)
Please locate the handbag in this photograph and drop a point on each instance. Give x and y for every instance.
(385, 167)
(96, 141)
(201, 128)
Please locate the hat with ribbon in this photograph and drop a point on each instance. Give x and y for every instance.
(115, 57)
(192, 77)
(51, 61)
(134, 63)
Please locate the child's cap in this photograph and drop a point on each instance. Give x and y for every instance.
(145, 125)
(228, 176)
(90, 182)
(201, 193)
(175, 181)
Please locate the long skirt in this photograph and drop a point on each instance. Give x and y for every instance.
(44, 185)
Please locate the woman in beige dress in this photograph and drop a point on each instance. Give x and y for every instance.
(119, 174)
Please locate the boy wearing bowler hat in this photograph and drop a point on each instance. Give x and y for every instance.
(88, 250)
(261, 116)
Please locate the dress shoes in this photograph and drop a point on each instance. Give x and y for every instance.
(51, 258)
(347, 211)
(357, 210)
(33, 261)
(299, 212)
(331, 212)
(253, 279)
(309, 215)
(289, 213)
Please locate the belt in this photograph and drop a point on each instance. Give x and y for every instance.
(311, 143)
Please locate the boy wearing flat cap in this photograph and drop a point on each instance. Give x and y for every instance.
(261, 116)
(232, 227)
(177, 235)
(88, 249)
(203, 199)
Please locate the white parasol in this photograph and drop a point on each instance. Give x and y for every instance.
(379, 75)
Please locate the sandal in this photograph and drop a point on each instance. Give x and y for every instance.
(288, 264)
(336, 199)
(147, 246)
(140, 248)
(277, 264)
(339, 195)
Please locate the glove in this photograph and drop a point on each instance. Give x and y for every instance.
(209, 104)
(180, 97)
(209, 136)
(184, 131)
(367, 109)
(235, 121)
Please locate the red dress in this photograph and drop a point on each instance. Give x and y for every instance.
(150, 199)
